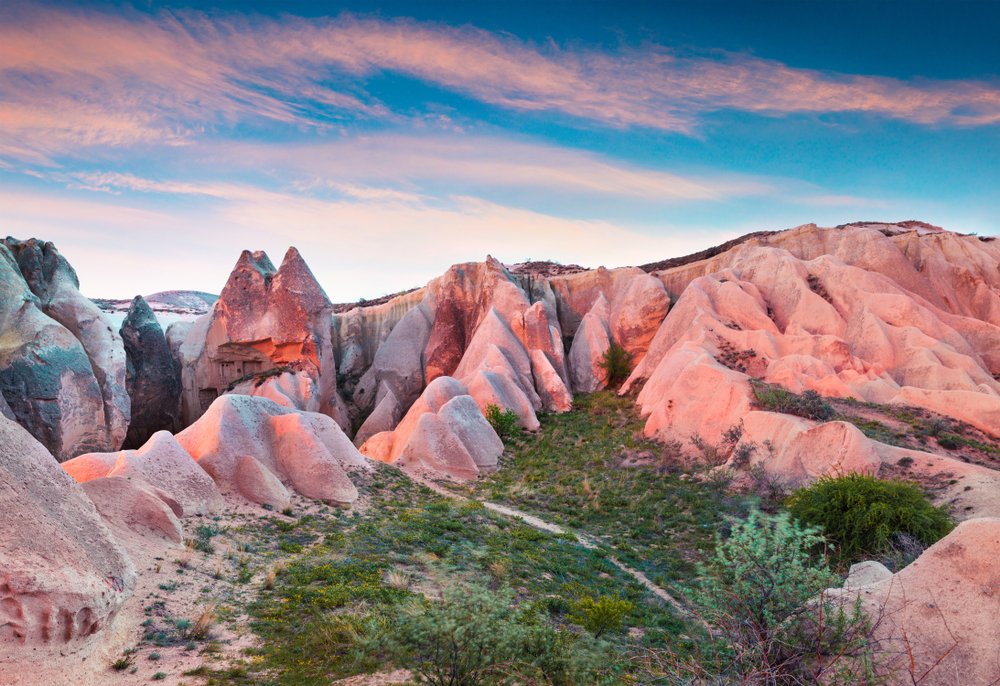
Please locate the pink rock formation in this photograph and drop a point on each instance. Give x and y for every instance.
(443, 433)
(819, 325)
(307, 451)
(133, 511)
(265, 318)
(63, 575)
(940, 611)
(161, 463)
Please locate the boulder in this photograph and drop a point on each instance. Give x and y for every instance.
(162, 464)
(444, 433)
(54, 282)
(307, 451)
(64, 576)
(935, 620)
(46, 377)
(154, 377)
(590, 343)
(130, 508)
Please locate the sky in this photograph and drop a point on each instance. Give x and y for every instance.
(153, 141)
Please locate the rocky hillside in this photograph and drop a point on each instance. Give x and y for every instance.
(780, 358)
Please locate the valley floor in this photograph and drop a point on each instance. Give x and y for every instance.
(584, 508)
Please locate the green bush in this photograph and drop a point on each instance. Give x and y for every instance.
(809, 404)
(600, 615)
(617, 364)
(761, 592)
(861, 514)
(475, 637)
(504, 421)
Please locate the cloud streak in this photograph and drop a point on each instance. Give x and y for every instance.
(85, 78)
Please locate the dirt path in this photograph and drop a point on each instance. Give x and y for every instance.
(549, 527)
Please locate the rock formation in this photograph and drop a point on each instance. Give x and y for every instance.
(307, 451)
(937, 616)
(444, 434)
(153, 380)
(62, 369)
(63, 576)
(162, 466)
(265, 320)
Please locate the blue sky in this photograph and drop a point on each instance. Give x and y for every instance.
(153, 141)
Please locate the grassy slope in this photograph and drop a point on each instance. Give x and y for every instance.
(346, 572)
(658, 516)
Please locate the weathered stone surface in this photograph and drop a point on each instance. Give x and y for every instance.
(937, 616)
(305, 450)
(265, 318)
(63, 575)
(443, 433)
(462, 416)
(162, 464)
(131, 508)
(592, 340)
(46, 376)
(154, 377)
(434, 447)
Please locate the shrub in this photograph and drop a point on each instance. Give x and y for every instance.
(761, 592)
(473, 636)
(809, 404)
(616, 363)
(600, 615)
(860, 514)
(503, 421)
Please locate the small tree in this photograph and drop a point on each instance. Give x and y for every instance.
(601, 614)
(762, 595)
(617, 364)
(475, 637)
(503, 420)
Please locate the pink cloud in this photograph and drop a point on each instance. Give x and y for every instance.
(83, 78)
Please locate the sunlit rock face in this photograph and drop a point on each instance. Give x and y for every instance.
(62, 367)
(162, 465)
(804, 319)
(444, 434)
(815, 324)
(937, 616)
(304, 451)
(266, 320)
(63, 577)
(154, 377)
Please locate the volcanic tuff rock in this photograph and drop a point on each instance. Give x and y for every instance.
(444, 433)
(305, 450)
(63, 575)
(265, 318)
(937, 616)
(46, 376)
(154, 377)
(163, 465)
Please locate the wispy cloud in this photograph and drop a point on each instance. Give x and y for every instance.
(82, 78)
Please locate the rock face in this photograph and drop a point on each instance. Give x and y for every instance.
(62, 368)
(265, 319)
(815, 324)
(443, 434)
(940, 611)
(161, 465)
(154, 378)
(306, 451)
(63, 576)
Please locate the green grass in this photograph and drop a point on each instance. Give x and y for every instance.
(658, 517)
(325, 610)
